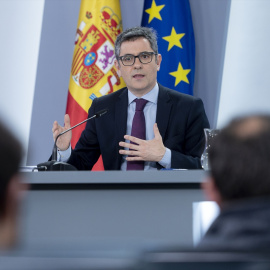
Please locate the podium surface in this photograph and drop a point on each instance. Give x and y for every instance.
(116, 177)
(111, 206)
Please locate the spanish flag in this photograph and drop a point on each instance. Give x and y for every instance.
(93, 73)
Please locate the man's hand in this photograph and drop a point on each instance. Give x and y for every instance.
(152, 150)
(63, 141)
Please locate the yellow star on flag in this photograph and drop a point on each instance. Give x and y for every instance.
(154, 11)
(174, 39)
(180, 74)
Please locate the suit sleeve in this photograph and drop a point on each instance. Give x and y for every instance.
(187, 155)
(87, 150)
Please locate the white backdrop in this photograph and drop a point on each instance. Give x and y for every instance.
(20, 30)
(245, 86)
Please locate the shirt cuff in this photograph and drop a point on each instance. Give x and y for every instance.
(166, 160)
(63, 155)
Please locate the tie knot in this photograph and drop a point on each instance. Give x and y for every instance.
(140, 104)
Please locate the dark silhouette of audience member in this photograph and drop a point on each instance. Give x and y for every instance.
(239, 181)
(10, 187)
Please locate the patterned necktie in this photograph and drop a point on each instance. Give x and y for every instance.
(138, 131)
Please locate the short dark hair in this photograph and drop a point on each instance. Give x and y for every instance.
(240, 158)
(10, 158)
(135, 33)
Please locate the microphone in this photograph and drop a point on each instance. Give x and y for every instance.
(97, 115)
(54, 165)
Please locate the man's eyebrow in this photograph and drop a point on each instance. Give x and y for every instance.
(137, 54)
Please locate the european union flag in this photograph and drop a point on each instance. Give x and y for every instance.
(173, 23)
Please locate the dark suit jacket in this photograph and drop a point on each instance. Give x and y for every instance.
(180, 118)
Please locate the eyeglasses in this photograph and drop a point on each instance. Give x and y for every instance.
(144, 57)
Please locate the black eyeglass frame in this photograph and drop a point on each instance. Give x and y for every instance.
(137, 56)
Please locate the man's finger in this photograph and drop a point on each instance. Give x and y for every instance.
(133, 139)
(129, 145)
(128, 152)
(67, 121)
(128, 158)
(55, 125)
(156, 131)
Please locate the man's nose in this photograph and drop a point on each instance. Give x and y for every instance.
(137, 62)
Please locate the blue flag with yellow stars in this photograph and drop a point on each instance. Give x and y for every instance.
(173, 24)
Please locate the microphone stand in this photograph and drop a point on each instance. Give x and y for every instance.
(53, 164)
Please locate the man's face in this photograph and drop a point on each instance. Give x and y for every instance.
(139, 78)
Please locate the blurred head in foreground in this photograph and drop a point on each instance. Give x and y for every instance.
(10, 186)
(240, 160)
(239, 182)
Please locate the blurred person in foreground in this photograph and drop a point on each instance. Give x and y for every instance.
(10, 186)
(239, 182)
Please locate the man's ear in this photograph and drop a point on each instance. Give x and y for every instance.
(211, 191)
(117, 66)
(159, 59)
(12, 194)
(15, 190)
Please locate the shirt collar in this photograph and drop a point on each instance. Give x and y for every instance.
(151, 96)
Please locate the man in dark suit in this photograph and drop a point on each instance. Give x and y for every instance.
(174, 136)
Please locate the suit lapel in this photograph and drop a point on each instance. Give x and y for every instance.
(121, 118)
(163, 110)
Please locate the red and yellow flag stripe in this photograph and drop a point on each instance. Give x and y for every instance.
(92, 72)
